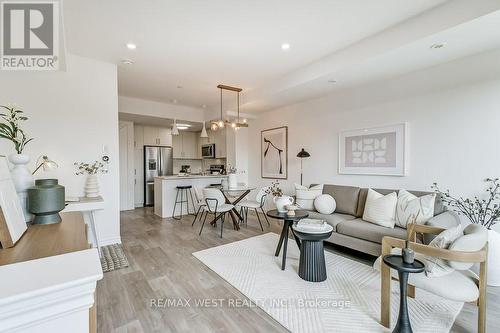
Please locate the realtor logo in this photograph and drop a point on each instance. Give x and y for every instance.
(30, 35)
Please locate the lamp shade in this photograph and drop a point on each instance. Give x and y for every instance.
(175, 130)
(203, 133)
(303, 154)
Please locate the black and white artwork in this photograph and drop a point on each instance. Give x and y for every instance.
(274, 153)
(373, 151)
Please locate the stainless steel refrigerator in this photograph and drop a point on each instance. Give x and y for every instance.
(158, 161)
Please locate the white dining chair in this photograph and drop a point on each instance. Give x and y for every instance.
(200, 202)
(256, 205)
(215, 203)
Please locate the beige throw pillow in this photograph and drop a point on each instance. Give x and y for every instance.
(380, 209)
(435, 267)
(410, 207)
(304, 197)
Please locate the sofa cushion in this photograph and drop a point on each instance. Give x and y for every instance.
(304, 197)
(346, 198)
(368, 231)
(439, 207)
(381, 209)
(331, 219)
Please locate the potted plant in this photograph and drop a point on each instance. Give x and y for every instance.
(91, 170)
(232, 178)
(280, 200)
(10, 122)
(485, 211)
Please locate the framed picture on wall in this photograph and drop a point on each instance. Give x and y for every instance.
(374, 151)
(274, 153)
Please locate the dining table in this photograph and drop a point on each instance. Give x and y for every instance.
(233, 195)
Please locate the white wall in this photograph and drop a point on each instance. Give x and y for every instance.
(72, 115)
(454, 136)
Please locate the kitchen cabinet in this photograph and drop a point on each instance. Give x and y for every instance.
(138, 136)
(185, 145)
(155, 136)
(219, 139)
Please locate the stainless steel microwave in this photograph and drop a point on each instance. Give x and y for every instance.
(208, 151)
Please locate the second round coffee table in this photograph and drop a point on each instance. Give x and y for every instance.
(312, 265)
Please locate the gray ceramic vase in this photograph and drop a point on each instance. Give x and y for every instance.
(45, 200)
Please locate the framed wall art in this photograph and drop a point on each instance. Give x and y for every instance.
(374, 151)
(274, 153)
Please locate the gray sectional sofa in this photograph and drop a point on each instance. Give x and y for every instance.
(351, 231)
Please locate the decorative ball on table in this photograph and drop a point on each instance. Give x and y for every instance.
(325, 204)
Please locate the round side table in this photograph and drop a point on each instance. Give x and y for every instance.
(396, 262)
(287, 225)
(312, 265)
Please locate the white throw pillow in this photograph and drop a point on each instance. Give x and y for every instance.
(380, 209)
(435, 267)
(325, 204)
(409, 206)
(304, 197)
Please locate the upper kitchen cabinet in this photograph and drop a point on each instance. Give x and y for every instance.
(157, 136)
(219, 139)
(138, 136)
(185, 145)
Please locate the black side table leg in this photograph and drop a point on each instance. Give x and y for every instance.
(283, 261)
(282, 237)
(403, 325)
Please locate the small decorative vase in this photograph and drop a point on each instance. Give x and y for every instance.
(92, 186)
(493, 255)
(281, 202)
(233, 180)
(408, 256)
(23, 179)
(46, 200)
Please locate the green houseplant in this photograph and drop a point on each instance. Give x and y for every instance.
(11, 119)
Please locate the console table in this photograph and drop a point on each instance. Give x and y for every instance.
(49, 279)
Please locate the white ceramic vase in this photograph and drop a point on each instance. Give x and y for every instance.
(282, 202)
(23, 179)
(92, 186)
(232, 180)
(493, 258)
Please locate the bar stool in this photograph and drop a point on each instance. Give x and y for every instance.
(183, 190)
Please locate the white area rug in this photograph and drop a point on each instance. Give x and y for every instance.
(350, 296)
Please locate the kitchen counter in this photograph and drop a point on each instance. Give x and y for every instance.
(191, 177)
(165, 192)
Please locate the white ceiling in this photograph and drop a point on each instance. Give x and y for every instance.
(198, 44)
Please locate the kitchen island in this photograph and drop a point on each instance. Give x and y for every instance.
(166, 189)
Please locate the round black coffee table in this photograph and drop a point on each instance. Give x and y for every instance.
(287, 225)
(396, 262)
(312, 266)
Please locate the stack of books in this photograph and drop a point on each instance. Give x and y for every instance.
(312, 225)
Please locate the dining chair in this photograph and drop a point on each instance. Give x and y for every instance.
(256, 205)
(215, 203)
(200, 201)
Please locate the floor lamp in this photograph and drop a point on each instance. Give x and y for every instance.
(302, 154)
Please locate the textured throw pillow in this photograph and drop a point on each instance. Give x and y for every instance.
(304, 197)
(380, 209)
(325, 204)
(435, 267)
(410, 207)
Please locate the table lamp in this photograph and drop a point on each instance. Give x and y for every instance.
(302, 154)
(45, 163)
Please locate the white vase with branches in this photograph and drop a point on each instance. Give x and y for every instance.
(92, 182)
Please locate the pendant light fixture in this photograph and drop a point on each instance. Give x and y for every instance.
(219, 124)
(175, 131)
(203, 132)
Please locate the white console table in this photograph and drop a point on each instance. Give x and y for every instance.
(88, 206)
(48, 280)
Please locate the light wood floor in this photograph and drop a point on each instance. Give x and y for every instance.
(161, 266)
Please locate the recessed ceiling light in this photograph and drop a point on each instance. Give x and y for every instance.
(127, 62)
(174, 101)
(332, 81)
(437, 46)
(204, 106)
(131, 46)
(285, 46)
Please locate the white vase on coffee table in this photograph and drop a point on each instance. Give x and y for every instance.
(282, 202)
(92, 186)
(22, 179)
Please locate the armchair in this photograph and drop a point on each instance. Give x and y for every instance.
(463, 253)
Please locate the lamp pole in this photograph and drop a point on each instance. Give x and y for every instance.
(302, 154)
